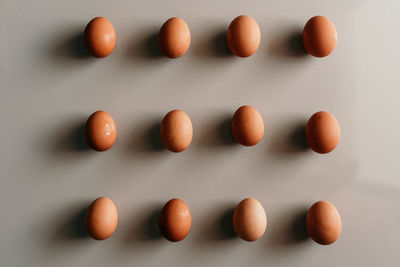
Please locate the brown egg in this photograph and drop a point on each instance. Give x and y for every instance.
(322, 132)
(174, 38)
(100, 131)
(319, 36)
(247, 126)
(243, 36)
(323, 223)
(175, 220)
(99, 37)
(249, 219)
(176, 131)
(101, 218)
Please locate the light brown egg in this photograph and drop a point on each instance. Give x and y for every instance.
(324, 224)
(243, 36)
(175, 220)
(319, 36)
(101, 218)
(100, 131)
(249, 219)
(247, 126)
(174, 38)
(322, 132)
(100, 37)
(176, 131)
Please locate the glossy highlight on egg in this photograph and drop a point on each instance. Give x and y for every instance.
(100, 131)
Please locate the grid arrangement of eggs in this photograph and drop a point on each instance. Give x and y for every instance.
(322, 131)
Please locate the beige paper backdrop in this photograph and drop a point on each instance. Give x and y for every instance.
(49, 88)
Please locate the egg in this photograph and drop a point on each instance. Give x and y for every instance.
(174, 38)
(99, 37)
(247, 126)
(323, 222)
(243, 36)
(175, 220)
(322, 132)
(101, 218)
(249, 219)
(100, 131)
(319, 36)
(176, 131)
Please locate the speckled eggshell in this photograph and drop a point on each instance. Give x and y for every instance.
(324, 224)
(243, 36)
(175, 220)
(247, 126)
(174, 38)
(176, 131)
(100, 37)
(100, 131)
(322, 132)
(249, 219)
(319, 36)
(101, 218)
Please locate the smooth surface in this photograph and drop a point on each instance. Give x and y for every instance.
(249, 219)
(49, 177)
(322, 132)
(323, 222)
(175, 220)
(101, 218)
(319, 36)
(100, 131)
(174, 38)
(243, 36)
(176, 131)
(247, 126)
(99, 37)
